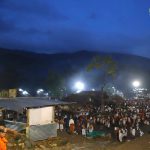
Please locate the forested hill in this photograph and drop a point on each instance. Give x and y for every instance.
(28, 69)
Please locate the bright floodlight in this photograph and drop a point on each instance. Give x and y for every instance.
(20, 90)
(93, 89)
(39, 91)
(79, 86)
(25, 93)
(136, 83)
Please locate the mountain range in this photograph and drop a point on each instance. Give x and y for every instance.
(30, 70)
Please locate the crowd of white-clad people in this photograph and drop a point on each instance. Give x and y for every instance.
(123, 121)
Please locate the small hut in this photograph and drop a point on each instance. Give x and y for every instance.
(34, 115)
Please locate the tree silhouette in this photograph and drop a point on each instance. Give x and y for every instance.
(107, 66)
(10, 78)
(54, 83)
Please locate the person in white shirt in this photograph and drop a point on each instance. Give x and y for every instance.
(120, 135)
(141, 133)
(83, 130)
(91, 128)
(61, 125)
(57, 122)
(133, 132)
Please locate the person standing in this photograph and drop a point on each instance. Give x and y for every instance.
(91, 128)
(61, 124)
(83, 130)
(120, 135)
(71, 125)
(66, 123)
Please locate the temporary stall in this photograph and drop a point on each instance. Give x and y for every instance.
(36, 115)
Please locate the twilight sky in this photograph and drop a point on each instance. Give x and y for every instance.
(70, 25)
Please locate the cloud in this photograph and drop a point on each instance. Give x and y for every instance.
(27, 18)
(6, 26)
(50, 40)
(41, 25)
(37, 8)
(56, 39)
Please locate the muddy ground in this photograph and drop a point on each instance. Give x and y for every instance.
(65, 141)
(77, 142)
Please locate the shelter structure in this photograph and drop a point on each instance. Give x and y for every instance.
(34, 115)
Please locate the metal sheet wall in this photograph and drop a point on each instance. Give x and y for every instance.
(41, 132)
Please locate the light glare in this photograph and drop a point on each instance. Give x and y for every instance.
(79, 86)
(20, 90)
(136, 83)
(25, 93)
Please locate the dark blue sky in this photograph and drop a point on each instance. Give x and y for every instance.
(71, 25)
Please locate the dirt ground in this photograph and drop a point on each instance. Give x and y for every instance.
(80, 143)
(65, 141)
(141, 143)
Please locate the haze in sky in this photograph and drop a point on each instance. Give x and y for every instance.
(51, 26)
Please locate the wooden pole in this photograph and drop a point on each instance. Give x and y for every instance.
(27, 123)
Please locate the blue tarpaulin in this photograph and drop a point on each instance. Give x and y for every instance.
(96, 134)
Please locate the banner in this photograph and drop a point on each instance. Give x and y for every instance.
(12, 93)
(40, 116)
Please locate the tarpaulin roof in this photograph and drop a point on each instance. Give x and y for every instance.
(18, 104)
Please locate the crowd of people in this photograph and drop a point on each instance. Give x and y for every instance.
(123, 121)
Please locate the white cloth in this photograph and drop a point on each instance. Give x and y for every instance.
(61, 126)
(141, 133)
(71, 121)
(120, 135)
(91, 129)
(83, 132)
(133, 132)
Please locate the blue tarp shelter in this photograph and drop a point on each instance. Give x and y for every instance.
(34, 132)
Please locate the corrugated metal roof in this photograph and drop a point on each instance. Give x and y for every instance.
(18, 104)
